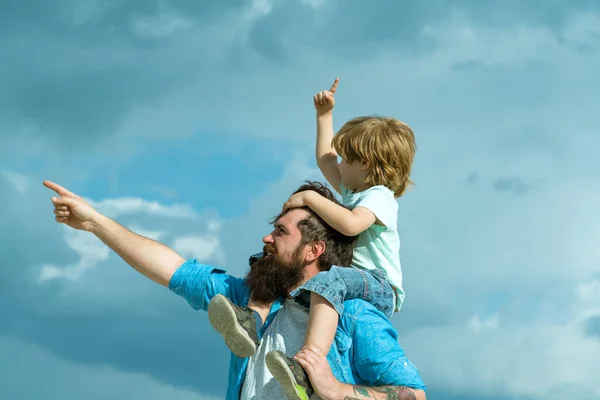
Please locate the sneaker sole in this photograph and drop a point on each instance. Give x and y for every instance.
(222, 317)
(280, 371)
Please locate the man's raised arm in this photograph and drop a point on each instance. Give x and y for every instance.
(153, 259)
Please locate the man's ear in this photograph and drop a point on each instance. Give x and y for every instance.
(316, 249)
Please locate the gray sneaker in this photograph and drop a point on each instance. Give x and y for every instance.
(290, 375)
(237, 325)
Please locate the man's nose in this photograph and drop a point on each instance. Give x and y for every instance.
(268, 238)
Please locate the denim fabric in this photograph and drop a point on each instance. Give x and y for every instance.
(340, 284)
(365, 349)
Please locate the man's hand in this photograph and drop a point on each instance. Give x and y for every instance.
(324, 100)
(319, 372)
(70, 209)
(151, 258)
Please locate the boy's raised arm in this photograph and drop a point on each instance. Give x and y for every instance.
(325, 153)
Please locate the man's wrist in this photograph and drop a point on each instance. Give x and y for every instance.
(342, 393)
(96, 223)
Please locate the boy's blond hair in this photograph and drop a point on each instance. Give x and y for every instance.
(386, 144)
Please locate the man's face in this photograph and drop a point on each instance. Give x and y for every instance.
(285, 238)
(281, 269)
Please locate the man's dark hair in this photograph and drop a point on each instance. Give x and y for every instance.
(338, 248)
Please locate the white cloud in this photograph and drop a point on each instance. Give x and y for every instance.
(532, 259)
(537, 361)
(372, 85)
(214, 226)
(460, 40)
(204, 248)
(167, 22)
(256, 10)
(239, 26)
(18, 180)
(315, 4)
(83, 12)
(589, 292)
(90, 249)
(587, 300)
(131, 205)
(58, 379)
(166, 192)
(584, 29)
(477, 325)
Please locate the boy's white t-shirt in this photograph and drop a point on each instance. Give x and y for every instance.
(378, 247)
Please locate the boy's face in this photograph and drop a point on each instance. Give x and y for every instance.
(354, 175)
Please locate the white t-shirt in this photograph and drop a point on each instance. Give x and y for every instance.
(286, 334)
(378, 247)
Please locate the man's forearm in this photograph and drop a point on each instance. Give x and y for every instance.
(151, 258)
(356, 392)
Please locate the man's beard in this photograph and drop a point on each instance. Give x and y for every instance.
(270, 277)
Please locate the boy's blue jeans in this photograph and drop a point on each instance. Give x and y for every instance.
(346, 283)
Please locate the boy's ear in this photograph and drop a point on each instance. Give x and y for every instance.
(365, 165)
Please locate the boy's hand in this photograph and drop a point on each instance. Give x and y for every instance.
(324, 100)
(298, 200)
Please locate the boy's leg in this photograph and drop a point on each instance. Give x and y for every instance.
(286, 370)
(237, 325)
(290, 375)
(328, 291)
(322, 293)
(325, 317)
(345, 283)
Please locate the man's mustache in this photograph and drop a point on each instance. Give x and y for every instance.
(269, 249)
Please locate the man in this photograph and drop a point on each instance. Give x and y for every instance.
(365, 355)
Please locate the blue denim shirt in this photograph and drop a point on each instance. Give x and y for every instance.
(365, 350)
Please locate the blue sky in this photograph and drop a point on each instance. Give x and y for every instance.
(191, 122)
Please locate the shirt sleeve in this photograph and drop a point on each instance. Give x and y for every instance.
(198, 284)
(378, 358)
(381, 202)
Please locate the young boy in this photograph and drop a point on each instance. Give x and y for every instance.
(376, 158)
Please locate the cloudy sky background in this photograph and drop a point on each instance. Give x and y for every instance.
(191, 122)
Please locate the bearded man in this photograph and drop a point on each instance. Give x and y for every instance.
(365, 360)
